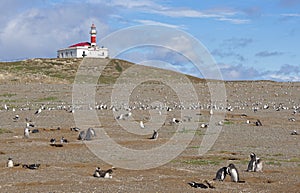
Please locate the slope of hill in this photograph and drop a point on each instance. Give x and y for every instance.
(60, 71)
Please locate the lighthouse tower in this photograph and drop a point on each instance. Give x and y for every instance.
(93, 33)
(84, 49)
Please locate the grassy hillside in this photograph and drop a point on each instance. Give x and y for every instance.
(63, 71)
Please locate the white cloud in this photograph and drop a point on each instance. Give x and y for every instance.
(40, 32)
(233, 20)
(151, 22)
(291, 14)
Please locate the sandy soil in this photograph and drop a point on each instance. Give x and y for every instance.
(70, 168)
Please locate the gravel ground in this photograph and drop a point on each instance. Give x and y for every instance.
(70, 168)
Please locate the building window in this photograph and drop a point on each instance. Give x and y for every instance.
(62, 54)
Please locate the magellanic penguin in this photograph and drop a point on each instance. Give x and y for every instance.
(252, 163)
(10, 163)
(26, 132)
(221, 174)
(97, 173)
(31, 166)
(103, 173)
(154, 135)
(234, 174)
(259, 165)
(198, 185)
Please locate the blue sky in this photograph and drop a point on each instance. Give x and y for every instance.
(249, 40)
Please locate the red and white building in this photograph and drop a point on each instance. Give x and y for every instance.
(84, 49)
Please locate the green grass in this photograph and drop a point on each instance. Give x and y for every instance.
(106, 80)
(294, 159)
(118, 68)
(2, 131)
(202, 162)
(276, 163)
(228, 122)
(8, 95)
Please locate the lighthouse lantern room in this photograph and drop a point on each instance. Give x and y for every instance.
(84, 49)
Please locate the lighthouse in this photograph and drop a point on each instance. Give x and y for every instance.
(84, 49)
(93, 33)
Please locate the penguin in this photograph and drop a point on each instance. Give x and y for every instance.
(74, 129)
(204, 125)
(107, 173)
(258, 123)
(197, 185)
(154, 135)
(89, 134)
(31, 166)
(10, 163)
(81, 135)
(221, 174)
(258, 166)
(142, 126)
(29, 124)
(35, 131)
(16, 118)
(103, 173)
(38, 111)
(176, 121)
(294, 132)
(26, 132)
(252, 163)
(53, 141)
(63, 140)
(97, 172)
(233, 172)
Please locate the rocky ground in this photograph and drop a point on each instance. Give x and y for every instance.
(70, 168)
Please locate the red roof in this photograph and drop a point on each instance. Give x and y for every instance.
(81, 44)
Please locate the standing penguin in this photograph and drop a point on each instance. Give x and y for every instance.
(26, 132)
(221, 174)
(258, 166)
(252, 163)
(233, 172)
(10, 163)
(154, 135)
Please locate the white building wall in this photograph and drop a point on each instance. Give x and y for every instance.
(77, 52)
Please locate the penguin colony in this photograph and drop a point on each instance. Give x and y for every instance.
(254, 165)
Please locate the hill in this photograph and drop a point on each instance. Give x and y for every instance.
(61, 71)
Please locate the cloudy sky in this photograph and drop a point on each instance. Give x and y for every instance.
(249, 40)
